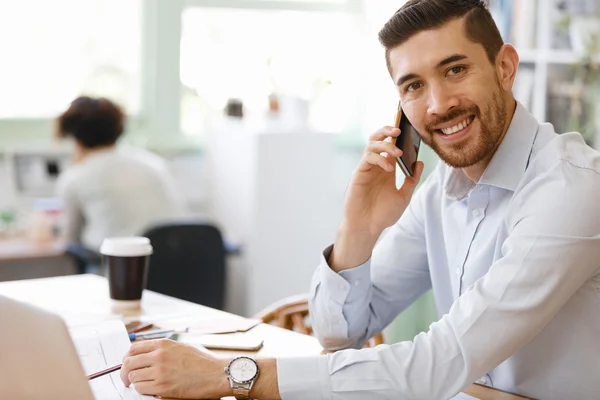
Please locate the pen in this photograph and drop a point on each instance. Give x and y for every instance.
(104, 372)
(155, 334)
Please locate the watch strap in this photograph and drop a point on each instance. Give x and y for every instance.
(241, 392)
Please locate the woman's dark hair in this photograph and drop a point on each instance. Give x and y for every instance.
(419, 15)
(93, 122)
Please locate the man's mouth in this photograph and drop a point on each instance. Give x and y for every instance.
(451, 130)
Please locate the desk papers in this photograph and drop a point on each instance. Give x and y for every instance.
(101, 346)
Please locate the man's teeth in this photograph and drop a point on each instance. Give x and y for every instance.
(458, 127)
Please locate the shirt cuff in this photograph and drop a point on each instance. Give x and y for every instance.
(301, 378)
(347, 285)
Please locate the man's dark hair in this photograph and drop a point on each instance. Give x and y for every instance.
(419, 15)
(93, 122)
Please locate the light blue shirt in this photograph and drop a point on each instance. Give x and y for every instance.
(514, 265)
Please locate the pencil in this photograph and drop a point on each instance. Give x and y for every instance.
(140, 328)
(104, 372)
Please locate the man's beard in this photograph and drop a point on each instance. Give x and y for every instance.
(473, 150)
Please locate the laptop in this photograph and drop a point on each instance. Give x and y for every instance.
(38, 358)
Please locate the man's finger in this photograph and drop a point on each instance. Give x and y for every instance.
(145, 346)
(410, 183)
(384, 147)
(379, 160)
(139, 361)
(386, 131)
(141, 375)
(146, 387)
(133, 363)
(419, 167)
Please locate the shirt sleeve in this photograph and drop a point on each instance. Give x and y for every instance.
(350, 307)
(552, 249)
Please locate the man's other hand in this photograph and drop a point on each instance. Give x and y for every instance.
(170, 369)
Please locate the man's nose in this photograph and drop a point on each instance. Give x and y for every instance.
(441, 100)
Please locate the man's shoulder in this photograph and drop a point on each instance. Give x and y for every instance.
(563, 178)
(565, 152)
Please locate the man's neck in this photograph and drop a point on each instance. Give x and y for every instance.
(474, 172)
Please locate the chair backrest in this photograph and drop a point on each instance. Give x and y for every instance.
(188, 262)
(85, 260)
(292, 313)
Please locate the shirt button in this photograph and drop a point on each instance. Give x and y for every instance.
(481, 381)
(458, 270)
(342, 286)
(357, 282)
(476, 212)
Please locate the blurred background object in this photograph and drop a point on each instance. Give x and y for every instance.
(110, 190)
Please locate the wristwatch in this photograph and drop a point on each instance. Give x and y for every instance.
(242, 372)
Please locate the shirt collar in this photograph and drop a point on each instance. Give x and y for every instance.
(507, 165)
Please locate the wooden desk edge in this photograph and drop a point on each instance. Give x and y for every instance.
(490, 393)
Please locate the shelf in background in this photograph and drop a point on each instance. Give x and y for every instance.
(561, 57)
(529, 56)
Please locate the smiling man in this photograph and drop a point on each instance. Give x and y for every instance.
(506, 231)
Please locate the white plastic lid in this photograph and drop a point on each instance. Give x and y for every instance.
(126, 246)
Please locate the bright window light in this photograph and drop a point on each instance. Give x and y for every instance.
(53, 51)
(249, 54)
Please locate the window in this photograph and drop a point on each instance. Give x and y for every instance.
(249, 54)
(53, 51)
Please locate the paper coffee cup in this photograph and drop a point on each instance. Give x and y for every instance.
(126, 260)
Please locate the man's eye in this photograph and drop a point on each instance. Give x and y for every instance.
(413, 86)
(456, 70)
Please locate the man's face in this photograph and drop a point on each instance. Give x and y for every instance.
(451, 94)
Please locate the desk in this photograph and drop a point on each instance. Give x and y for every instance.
(64, 295)
(21, 249)
(22, 259)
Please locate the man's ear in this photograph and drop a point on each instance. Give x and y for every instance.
(507, 63)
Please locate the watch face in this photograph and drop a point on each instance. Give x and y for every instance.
(243, 369)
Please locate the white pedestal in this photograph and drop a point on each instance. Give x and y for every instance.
(274, 193)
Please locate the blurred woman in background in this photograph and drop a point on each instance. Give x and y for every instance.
(110, 191)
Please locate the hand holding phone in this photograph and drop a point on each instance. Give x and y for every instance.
(408, 141)
(373, 201)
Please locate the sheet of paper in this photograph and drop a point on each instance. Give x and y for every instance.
(101, 346)
(194, 324)
(463, 396)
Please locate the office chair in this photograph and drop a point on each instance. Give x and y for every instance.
(292, 313)
(188, 262)
(86, 261)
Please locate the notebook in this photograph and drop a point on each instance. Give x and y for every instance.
(100, 346)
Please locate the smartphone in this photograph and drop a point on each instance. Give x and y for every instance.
(228, 341)
(409, 142)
